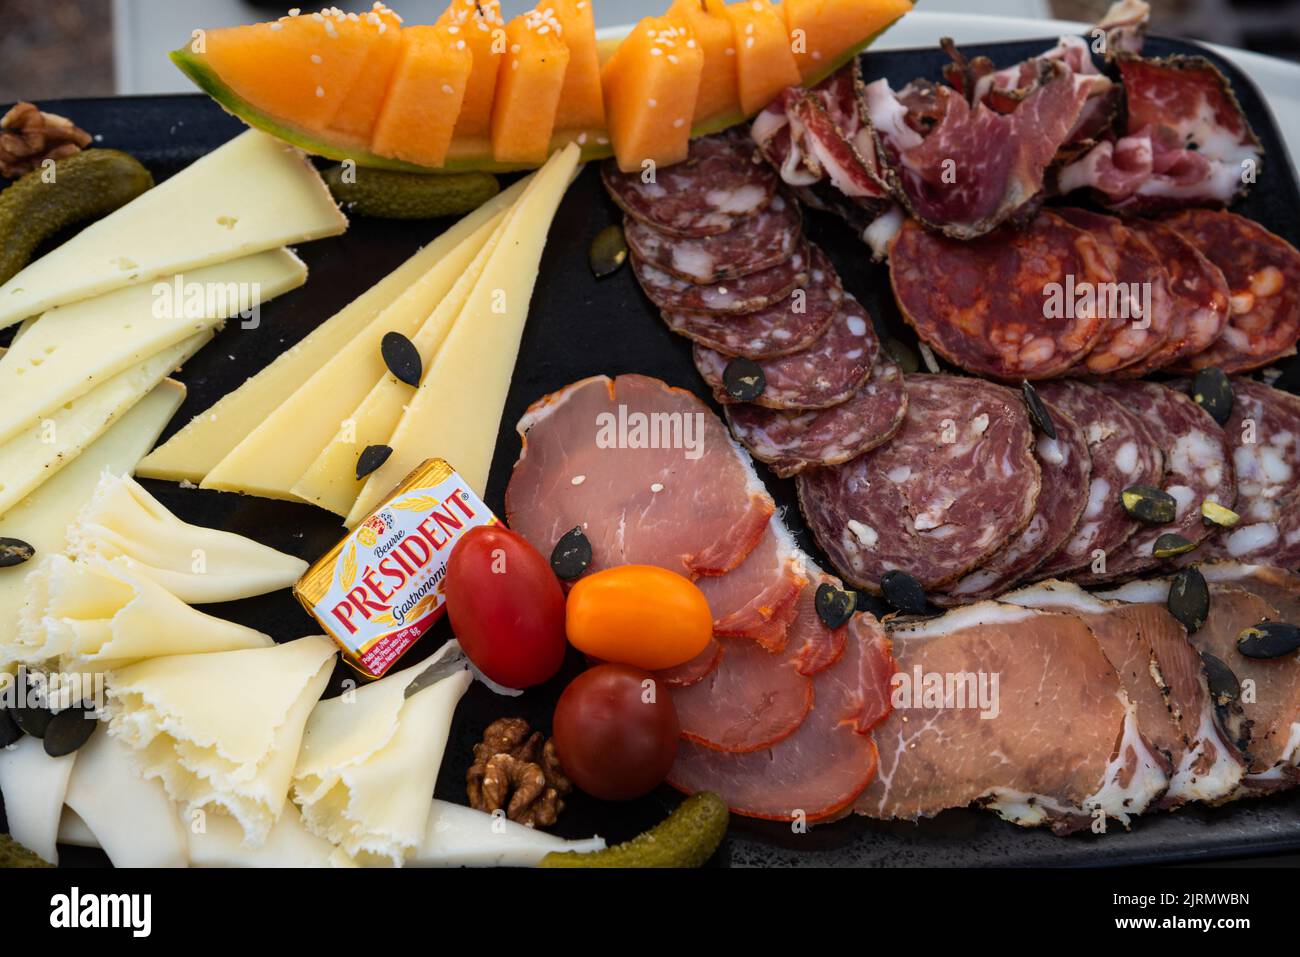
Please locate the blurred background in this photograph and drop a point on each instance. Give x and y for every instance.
(59, 48)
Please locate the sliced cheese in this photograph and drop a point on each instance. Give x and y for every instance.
(74, 832)
(222, 731)
(456, 412)
(252, 194)
(33, 785)
(42, 518)
(196, 564)
(460, 836)
(36, 455)
(218, 841)
(73, 348)
(206, 439)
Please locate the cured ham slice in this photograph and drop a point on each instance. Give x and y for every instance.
(1278, 587)
(1065, 739)
(647, 471)
(757, 599)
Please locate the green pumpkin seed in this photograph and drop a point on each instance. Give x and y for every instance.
(1189, 599)
(1169, 544)
(608, 251)
(1212, 513)
(1223, 685)
(1212, 391)
(1038, 412)
(903, 592)
(14, 551)
(834, 606)
(1149, 504)
(1269, 639)
(571, 555)
(743, 379)
(903, 354)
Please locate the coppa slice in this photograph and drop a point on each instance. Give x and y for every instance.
(614, 456)
(988, 307)
(749, 293)
(758, 598)
(957, 481)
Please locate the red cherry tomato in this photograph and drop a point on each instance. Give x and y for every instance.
(615, 731)
(506, 606)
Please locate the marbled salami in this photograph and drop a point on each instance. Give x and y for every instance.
(755, 291)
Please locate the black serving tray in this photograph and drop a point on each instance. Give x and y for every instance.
(580, 326)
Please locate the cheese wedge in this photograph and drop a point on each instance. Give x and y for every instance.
(71, 349)
(252, 194)
(196, 564)
(456, 412)
(42, 518)
(132, 819)
(217, 841)
(37, 454)
(459, 836)
(207, 438)
(33, 785)
(270, 460)
(370, 760)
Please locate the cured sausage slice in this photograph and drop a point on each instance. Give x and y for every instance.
(1066, 466)
(1137, 307)
(717, 185)
(1002, 305)
(649, 472)
(951, 488)
(826, 374)
(1123, 453)
(757, 599)
(791, 441)
(766, 239)
(758, 290)
(781, 329)
(1263, 274)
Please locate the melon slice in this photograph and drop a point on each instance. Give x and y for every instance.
(581, 103)
(765, 64)
(820, 30)
(713, 31)
(651, 85)
(423, 101)
(357, 113)
(480, 25)
(528, 88)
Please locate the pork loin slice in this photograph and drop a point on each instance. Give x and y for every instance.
(695, 670)
(757, 598)
(1054, 742)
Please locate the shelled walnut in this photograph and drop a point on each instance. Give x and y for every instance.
(516, 769)
(28, 137)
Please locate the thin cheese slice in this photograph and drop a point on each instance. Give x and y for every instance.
(206, 439)
(36, 455)
(42, 518)
(217, 841)
(196, 564)
(456, 412)
(460, 836)
(74, 832)
(252, 194)
(33, 785)
(222, 731)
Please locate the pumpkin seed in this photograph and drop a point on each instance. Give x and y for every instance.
(69, 730)
(1149, 504)
(1213, 392)
(1212, 513)
(903, 354)
(1268, 639)
(834, 606)
(1189, 599)
(743, 379)
(1225, 695)
(571, 555)
(903, 592)
(371, 457)
(608, 251)
(1223, 684)
(1170, 544)
(14, 551)
(402, 358)
(1038, 412)
(9, 730)
(32, 718)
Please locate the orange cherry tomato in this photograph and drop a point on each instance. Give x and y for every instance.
(638, 615)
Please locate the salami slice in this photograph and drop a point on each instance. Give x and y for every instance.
(781, 329)
(761, 241)
(1002, 305)
(951, 488)
(755, 291)
(1137, 306)
(1263, 274)
(791, 441)
(1066, 467)
(826, 374)
(1123, 452)
(717, 185)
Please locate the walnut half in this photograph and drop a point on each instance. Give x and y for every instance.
(28, 137)
(517, 771)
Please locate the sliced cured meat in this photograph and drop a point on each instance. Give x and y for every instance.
(1263, 275)
(650, 474)
(1199, 293)
(827, 373)
(791, 325)
(1124, 453)
(791, 441)
(757, 598)
(1137, 306)
(1004, 305)
(1277, 586)
(817, 647)
(758, 290)
(761, 241)
(716, 186)
(695, 670)
(957, 481)
(818, 771)
(1067, 467)
(1032, 688)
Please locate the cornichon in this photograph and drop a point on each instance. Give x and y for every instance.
(85, 185)
(390, 194)
(13, 854)
(686, 838)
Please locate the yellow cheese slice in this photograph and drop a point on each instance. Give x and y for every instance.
(71, 349)
(456, 412)
(37, 454)
(207, 438)
(218, 841)
(222, 731)
(42, 518)
(33, 785)
(196, 564)
(459, 836)
(253, 193)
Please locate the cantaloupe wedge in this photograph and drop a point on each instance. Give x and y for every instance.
(581, 103)
(528, 88)
(357, 113)
(480, 24)
(713, 31)
(419, 113)
(819, 29)
(765, 64)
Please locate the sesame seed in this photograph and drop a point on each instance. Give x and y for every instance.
(320, 91)
(655, 51)
(448, 88)
(652, 102)
(315, 58)
(657, 487)
(678, 123)
(294, 11)
(672, 58)
(749, 42)
(277, 26)
(730, 51)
